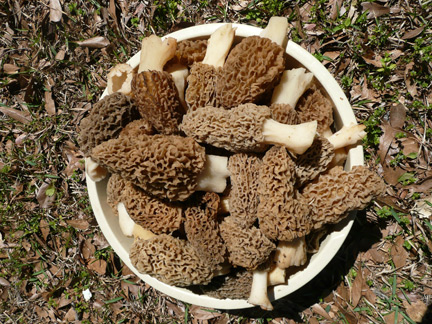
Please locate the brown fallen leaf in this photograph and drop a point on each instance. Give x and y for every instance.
(95, 42)
(98, 266)
(356, 290)
(413, 33)
(398, 253)
(397, 115)
(317, 308)
(44, 227)
(416, 310)
(16, 114)
(80, 224)
(202, 313)
(55, 11)
(49, 104)
(45, 199)
(10, 68)
(411, 87)
(375, 10)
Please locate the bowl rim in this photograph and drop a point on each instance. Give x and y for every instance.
(343, 115)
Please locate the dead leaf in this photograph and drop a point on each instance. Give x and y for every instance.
(44, 227)
(398, 253)
(202, 313)
(10, 68)
(45, 200)
(55, 11)
(413, 33)
(49, 104)
(411, 87)
(16, 114)
(397, 116)
(80, 224)
(71, 315)
(416, 310)
(317, 308)
(375, 10)
(95, 42)
(98, 265)
(356, 290)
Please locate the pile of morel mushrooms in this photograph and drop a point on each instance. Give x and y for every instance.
(224, 166)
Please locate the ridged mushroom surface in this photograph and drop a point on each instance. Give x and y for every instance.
(236, 285)
(189, 51)
(284, 114)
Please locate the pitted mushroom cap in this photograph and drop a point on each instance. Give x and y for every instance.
(189, 51)
(202, 230)
(237, 130)
(247, 247)
(243, 196)
(282, 213)
(153, 214)
(314, 161)
(284, 114)
(106, 119)
(137, 127)
(337, 192)
(166, 166)
(253, 67)
(236, 285)
(115, 187)
(170, 260)
(314, 105)
(158, 101)
(200, 91)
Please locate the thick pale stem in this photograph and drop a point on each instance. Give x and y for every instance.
(219, 45)
(129, 227)
(120, 78)
(347, 135)
(276, 276)
(224, 205)
(179, 74)
(214, 176)
(258, 294)
(277, 30)
(292, 86)
(296, 138)
(291, 253)
(155, 53)
(95, 171)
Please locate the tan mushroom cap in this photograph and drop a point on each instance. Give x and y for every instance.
(247, 247)
(158, 101)
(170, 260)
(137, 127)
(189, 51)
(114, 190)
(284, 113)
(200, 91)
(202, 230)
(282, 213)
(237, 130)
(243, 196)
(314, 105)
(106, 119)
(252, 68)
(153, 214)
(337, 192)
(235, 285)
(166, 166)
(314, 161)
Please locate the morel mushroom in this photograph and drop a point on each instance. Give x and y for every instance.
(137, 127)
(188, 52)
(203, 75)
(246, 128)
(235, 285)
(129, 227)
(153, 89)
(166, 166)
(114, 190)
(253, 67)
(119, 79)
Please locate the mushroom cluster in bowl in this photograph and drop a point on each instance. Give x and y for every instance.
(215, 160)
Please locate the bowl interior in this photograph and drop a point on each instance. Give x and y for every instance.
(343, 115)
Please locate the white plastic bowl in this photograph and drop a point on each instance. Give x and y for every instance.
(343, 115)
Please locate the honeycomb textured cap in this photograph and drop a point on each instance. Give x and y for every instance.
(156, 215)
(106, 119)
(170, 260)
(200, 91)
(247, 247)
(189, 51)
(314, 105)
(314, 161)
(333, 194)
(236, 285)
(282, 213)
(237, 130)
(202, 229)
(284, 113)
(114, 189)
(253, 67)
(157, 100)
(243, 196)
(137, 127)
(165, 166)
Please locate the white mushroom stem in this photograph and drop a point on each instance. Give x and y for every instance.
(347, 135)
(219, 45)
(120, 78)
(296, 138)
(179, 74)
(291, 253)
(224, 205)
(129, 227)
(291, 87)
(277, 30)
(276, 276)
(258, 294)
(155, 53)
(95, 171)
(215, 174)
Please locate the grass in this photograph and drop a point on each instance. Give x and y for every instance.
(49, 237)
